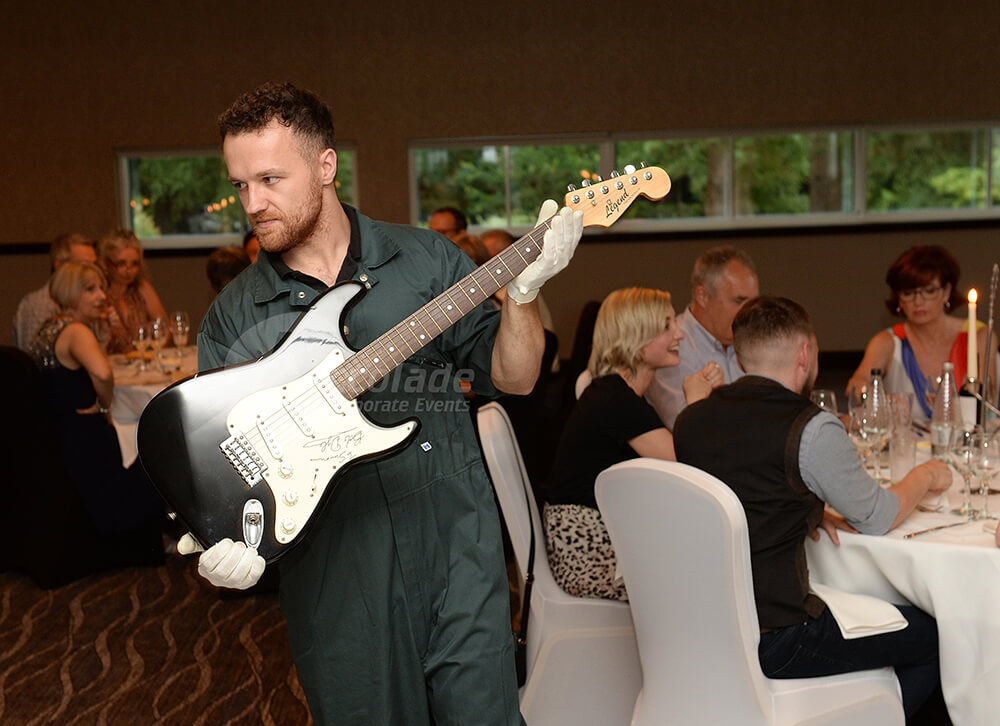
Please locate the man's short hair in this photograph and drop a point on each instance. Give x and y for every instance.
(767, 320)
(61, 248)
(711, 263)
(299, 110)
(457, 214)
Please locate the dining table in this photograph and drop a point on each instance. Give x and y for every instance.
(952, 573)
(135, 386)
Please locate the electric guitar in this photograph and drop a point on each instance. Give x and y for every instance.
(251, 452)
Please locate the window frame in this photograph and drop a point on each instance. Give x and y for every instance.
(859, 215)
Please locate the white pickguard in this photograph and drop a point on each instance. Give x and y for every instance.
(300, 435)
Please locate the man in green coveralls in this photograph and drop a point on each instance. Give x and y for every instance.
(396, 600)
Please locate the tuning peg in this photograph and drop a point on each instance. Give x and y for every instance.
(598, 178)
(642, 164)
(614, 174)
(571, 188)
(629, 169)
(585, 183)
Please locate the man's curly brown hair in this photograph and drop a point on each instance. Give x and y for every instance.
(298, 109)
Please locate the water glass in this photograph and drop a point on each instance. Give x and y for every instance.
(902, 453)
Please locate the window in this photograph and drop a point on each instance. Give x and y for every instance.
(910, 170)
(185, 199)
(794, 177)
(497, 185)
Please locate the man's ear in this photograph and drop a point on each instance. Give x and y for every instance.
(701, 295)
(328, 166)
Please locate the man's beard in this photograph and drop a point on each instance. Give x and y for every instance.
(292, 231)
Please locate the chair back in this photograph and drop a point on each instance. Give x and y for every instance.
(582, 658)
(510, 480)
(680, 536)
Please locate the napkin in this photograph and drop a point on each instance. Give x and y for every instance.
(860, 615)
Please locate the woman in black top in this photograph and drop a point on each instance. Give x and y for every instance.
(635, 334)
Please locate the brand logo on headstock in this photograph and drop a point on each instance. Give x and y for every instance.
(611, 208)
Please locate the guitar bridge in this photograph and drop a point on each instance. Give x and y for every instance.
(244, 459)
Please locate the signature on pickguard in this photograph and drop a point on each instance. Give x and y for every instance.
(339, 446)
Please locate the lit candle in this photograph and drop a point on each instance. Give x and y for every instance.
(972, 365)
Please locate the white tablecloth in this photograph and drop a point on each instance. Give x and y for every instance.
(134, 389)
(953, 574)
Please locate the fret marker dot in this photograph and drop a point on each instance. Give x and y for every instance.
(449, 307)
(375, 360)
(392, 348)
(421, 337)
(350, 378)
(472, 289)
(362, 370)
(527, 249)
(412, 323)
(498, 270)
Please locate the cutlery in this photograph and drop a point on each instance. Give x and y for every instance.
(933, 529)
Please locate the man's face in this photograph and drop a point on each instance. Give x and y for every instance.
(445, 223)
(83, 253)
(737, 284)
(280, 189)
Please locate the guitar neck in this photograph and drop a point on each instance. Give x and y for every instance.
(376, 360)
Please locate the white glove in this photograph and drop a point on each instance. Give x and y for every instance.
(226, 563)
(558, 246)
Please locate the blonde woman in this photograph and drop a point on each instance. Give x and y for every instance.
(132, 298)
(634, 335)
(123, 508)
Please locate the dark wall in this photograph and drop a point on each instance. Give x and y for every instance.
(81, 82)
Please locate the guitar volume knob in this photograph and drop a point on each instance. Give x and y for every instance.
(288, 525)
(291, 497)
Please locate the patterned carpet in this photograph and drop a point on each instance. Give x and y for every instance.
(144, 646)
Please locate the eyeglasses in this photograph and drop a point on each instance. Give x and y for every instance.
(924, 293)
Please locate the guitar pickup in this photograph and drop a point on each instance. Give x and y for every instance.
(244, 459)
(269, 441)
(296, 413)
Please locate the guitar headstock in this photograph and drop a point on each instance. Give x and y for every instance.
(603, 201)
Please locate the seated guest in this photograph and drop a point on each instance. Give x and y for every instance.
(723, 279)
(923, 284)
(473, 247)
(224, 264)
(784, 458)
(122, 506)
(635, 334)
(449, 221)
(251, 245)
(38, 306)
(132, 299)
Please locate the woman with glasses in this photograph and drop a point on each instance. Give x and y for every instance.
(132, 300)
(923, 285)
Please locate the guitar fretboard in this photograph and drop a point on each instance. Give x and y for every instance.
(380, 357)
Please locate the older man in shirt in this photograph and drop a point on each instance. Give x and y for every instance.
(38, 306)
(723, 279)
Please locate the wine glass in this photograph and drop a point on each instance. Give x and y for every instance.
(986, 465)
(858, 434)
(960, 456)
(825, 399)
(142, 340)
(180, 327)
